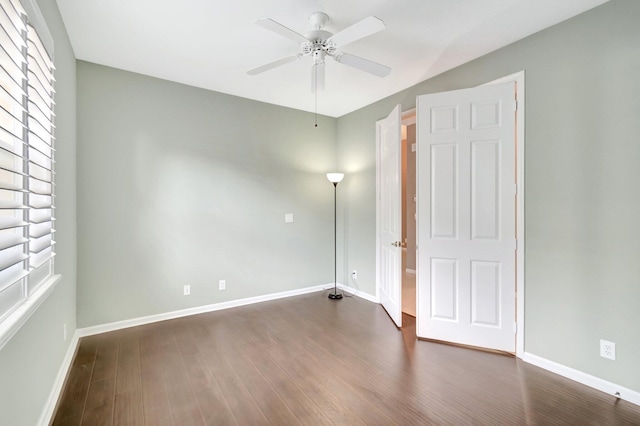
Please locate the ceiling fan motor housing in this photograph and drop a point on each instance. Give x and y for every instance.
(317, 46)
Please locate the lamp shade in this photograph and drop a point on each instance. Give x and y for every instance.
(335, 177)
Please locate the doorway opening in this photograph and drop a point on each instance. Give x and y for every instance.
(409, 198)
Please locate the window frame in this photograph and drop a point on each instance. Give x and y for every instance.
(36, 283)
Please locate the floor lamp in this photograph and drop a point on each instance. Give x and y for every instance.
(335, 179)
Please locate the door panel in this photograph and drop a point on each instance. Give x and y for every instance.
(444, 291)
(444, 165)
(466, 217)
(485, 189)
(390, 214)
(485, 293)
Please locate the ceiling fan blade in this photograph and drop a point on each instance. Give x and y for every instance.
(274, 64)
(317, 77)
(361, 29)
(363, 64)
(278, 28)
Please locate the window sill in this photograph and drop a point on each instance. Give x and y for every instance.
(10, 325)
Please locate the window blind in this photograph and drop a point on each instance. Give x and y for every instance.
(26, 159)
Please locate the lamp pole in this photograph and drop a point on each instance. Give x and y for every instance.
(335, 178)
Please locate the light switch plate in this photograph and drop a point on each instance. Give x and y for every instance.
(288, 218)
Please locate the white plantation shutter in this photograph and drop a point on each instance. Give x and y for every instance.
(26, 159)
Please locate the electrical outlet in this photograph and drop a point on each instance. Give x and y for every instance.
(608, 350)
(222, 285)
(354, 274)
(187, 290)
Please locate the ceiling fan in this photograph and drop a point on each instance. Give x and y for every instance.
(319, 44)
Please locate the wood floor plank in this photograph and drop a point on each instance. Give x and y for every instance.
(269, 401)
(182, 401)
(100, 393)
(71, 407)
(98, 416)
(210, 399)
(155, 401)
(429, 407)
(106, 357)
(311, 360)
(337, 358)
(331, 405)
(332, 378)
(128, 362)
(244, 408)
(128, 408)
(296, 400)
(87, 348)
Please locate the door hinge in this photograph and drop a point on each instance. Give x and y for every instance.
(515, 328)
(515, 105)
(515, 189)
(515, 244)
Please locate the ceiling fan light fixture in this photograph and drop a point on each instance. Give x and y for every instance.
(318, 57)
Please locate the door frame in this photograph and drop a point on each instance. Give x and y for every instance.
(519, 79)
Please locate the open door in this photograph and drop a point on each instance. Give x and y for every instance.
(467, 217)
(389, 204)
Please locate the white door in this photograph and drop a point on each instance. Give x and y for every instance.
(466, 217)
(388, 135)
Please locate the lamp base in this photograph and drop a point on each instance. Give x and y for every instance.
(335, 296)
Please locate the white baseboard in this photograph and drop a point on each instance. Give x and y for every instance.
(47, 412)
(118, 325)
(356, 292)
(584, 378)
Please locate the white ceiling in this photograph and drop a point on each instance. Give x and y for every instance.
(212, 43)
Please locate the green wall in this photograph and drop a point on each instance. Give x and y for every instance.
(183, 186)
(30, 361)
(582, 198)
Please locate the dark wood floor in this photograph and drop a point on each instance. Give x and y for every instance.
(311, 360)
